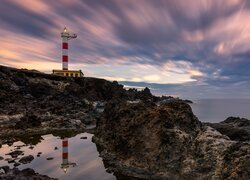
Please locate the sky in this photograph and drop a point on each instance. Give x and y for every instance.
(190, 49)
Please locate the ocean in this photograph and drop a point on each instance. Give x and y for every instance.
(217, 110)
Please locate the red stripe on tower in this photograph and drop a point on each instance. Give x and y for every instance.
(65, 45)
(65, 58)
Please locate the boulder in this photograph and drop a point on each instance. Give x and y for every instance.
(15, 154)
(26, 159)
(146, 140)
(234, 127)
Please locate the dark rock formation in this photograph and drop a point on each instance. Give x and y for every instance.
(145, 94)
(16, 164)
(166, 142)
(29, 120)
(15, 154)
(26, 159)
(234, 127)
(16, 174)
(188, 101)
(32, 101)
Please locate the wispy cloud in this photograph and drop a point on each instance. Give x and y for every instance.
(203, 43)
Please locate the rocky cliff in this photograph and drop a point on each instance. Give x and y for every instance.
(32, 101)
(167, 141)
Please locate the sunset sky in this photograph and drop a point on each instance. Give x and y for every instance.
(186, 48)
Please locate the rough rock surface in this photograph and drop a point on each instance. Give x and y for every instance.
(16, 174)
(34, 102)
(167, 141)
(15, 154)
(234, 127)
(26, 159)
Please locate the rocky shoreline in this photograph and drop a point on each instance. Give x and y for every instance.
(36, 103)
(167, 142)
(16, 174)
(235, 128)
(137, 134)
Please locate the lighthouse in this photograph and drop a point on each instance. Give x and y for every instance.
(65, 156)
(65, 46)
(66, 36)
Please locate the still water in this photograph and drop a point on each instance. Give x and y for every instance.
(83, 158)
(217, 110)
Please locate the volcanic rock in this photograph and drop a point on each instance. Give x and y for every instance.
(26, 159)
(6, 169)
(166, 141)
(234, 127)
(16, 164)
(16, 174)
(32, 101)
(28, 121)
(15, 154)
(11, 161)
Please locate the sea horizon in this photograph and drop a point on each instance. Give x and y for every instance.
(217, 110)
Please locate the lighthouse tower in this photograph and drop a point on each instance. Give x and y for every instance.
(65, 156)
(65, 46)
(66, 36)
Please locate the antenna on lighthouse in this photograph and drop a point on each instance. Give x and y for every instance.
(66, 36)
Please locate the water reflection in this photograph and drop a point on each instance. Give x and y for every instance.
(69, 158)
(65, 156)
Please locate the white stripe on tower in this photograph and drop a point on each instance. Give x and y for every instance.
(65, 57)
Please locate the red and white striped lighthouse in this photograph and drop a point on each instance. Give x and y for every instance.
(65, 46)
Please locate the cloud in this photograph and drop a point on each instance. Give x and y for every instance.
(20, 20)
(201, 42)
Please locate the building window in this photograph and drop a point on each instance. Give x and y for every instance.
(67, 74)
(76, 75)
(71, 74)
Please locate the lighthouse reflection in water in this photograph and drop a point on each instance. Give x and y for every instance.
(65, 156)
(62, 158)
